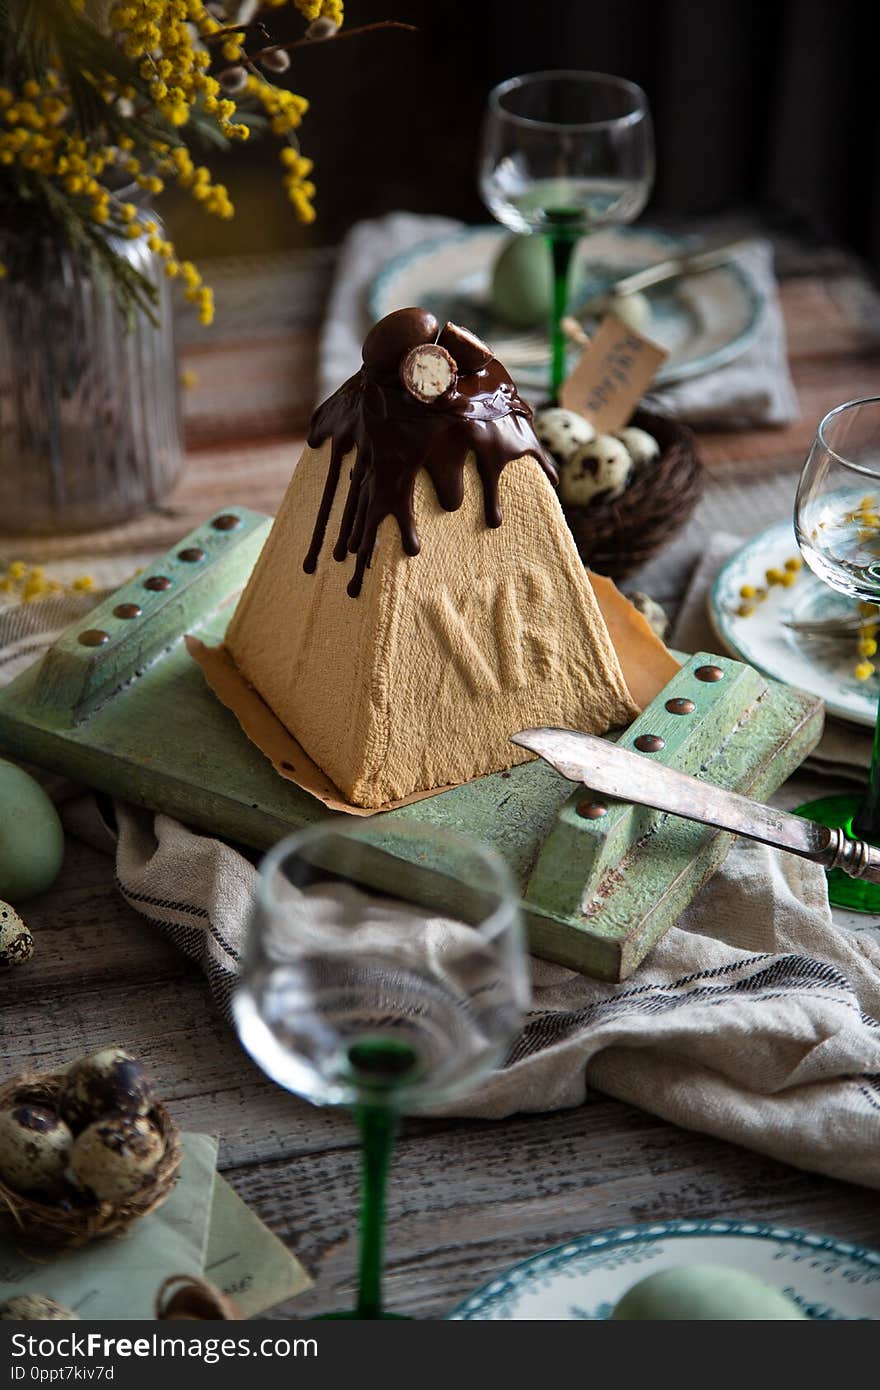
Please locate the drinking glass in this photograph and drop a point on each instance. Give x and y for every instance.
(562, 154)
(837, 521)
(385, 970)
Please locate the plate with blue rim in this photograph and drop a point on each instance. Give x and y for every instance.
(704, 321)
(761, 638)
(584, 1278)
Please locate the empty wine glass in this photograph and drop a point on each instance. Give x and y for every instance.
(562, 154)
(385, 970)
(837, 521)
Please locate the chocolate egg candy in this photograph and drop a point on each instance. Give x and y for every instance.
(470, 352)
(35, 1146)
(641, 446)
(116, 1156)
(562, 432)
(699, 1293)
(389, 340)
(31, 837)
(35, 1307)
(598, 471)
(428, 372)
(107, 1081)
(16, 942)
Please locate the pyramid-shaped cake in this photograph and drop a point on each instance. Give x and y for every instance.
(420, 597)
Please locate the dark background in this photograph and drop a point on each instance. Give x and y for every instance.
(772, 106)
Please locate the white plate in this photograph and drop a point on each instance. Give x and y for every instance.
(586, 1277)
(761, 639)
(703, 320)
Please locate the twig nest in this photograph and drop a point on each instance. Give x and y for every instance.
(652, 612)
(193, 1300)
(641, 446)
(35, 1307)
(116, 1156)
(600, 469)
(108, 1081)
(16, 942)
(35, 1147)
(562, 432)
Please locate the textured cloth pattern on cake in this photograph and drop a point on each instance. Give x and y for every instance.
(419, 680)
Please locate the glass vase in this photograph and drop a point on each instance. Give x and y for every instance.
(89, 413)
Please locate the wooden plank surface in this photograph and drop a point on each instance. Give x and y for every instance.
(466, 1198)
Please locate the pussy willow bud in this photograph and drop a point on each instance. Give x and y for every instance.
(321, 28)
(245, 11)
(233, 80)
(275, 60)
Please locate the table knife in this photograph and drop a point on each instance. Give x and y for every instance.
(628, 776)
(688, 263)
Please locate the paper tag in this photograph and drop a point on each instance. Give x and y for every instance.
(611, 375)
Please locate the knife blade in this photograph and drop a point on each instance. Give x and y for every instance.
(688, 263)
(630, 776)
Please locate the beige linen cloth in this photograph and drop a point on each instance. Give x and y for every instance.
(754, 1019)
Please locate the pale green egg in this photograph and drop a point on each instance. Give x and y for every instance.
(31, 837)
(522, 282)
(701, 1293)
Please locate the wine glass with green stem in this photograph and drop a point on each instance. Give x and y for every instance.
(563, 153)
(837, 522)
(384, 971)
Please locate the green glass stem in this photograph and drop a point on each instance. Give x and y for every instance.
(562, 244)
(866, 822)
(378, 1126)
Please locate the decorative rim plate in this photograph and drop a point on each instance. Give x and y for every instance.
(583, 1279)
(704, 320)
(762, 641)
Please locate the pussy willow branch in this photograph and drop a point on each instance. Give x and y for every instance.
(335, 38)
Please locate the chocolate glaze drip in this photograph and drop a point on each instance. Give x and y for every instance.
(396, 435)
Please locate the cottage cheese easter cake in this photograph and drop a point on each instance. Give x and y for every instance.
(420, 597)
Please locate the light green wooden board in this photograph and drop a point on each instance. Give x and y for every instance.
(135, 718)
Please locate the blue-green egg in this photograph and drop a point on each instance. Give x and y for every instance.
(702, 1293)
(31, 837)
(522, 282)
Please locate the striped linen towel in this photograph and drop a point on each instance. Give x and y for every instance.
(755, 1019)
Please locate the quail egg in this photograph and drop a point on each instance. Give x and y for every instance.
(643, 447)
(598, 471)
(651, 611)
(16, 942)
(35, 1307)
(116, 1156)
(562, 432)
(35, 1147)
(109, 1080)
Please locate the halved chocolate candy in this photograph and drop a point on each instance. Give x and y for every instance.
(469, 351)
(389, 340)
(428, 372)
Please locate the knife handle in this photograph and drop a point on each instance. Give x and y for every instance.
(854, 857)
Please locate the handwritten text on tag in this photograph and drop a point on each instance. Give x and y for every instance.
(611, 375)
